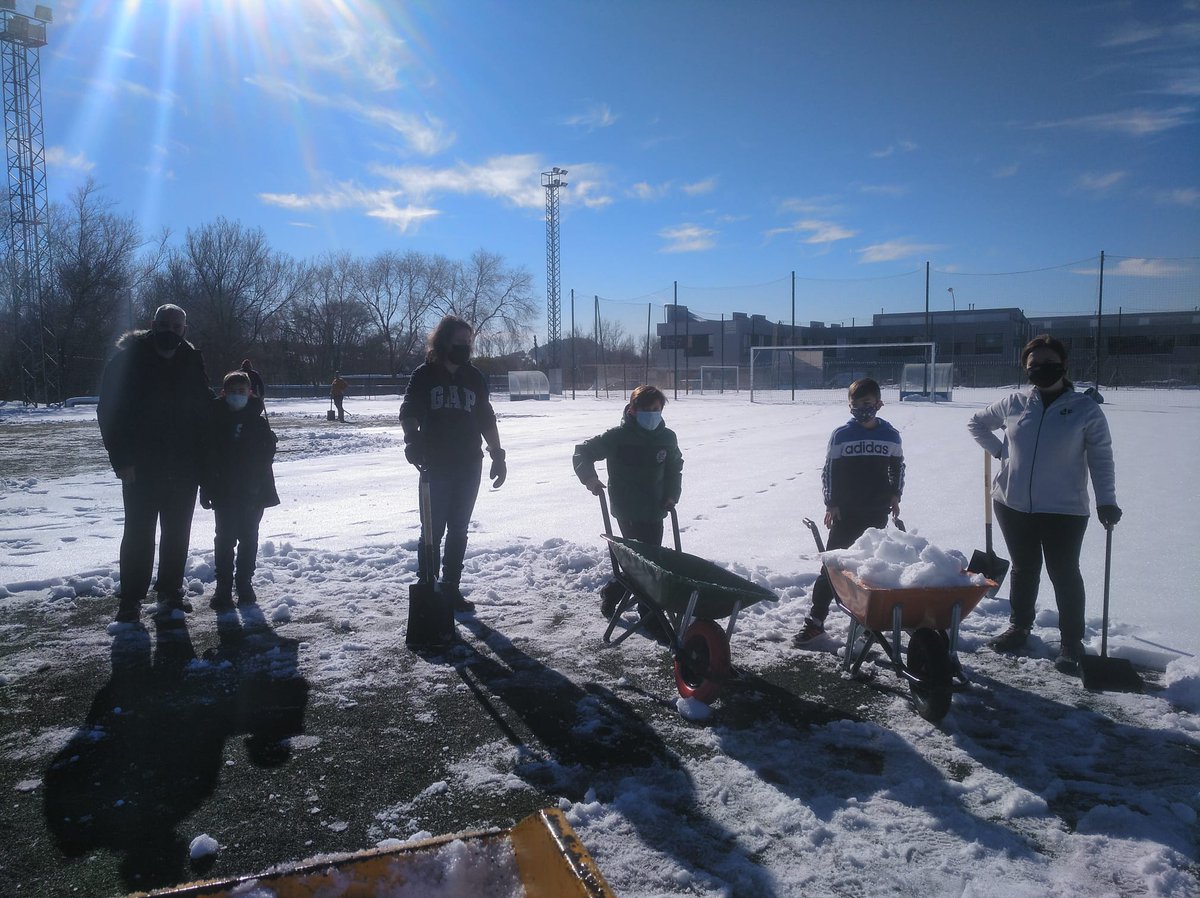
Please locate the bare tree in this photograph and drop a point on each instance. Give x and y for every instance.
(496, 300)
(399, 292)
(328, 323)
(232, 284)
(94, 252)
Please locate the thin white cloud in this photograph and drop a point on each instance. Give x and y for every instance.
(1136, 122)
(687, 238)
(1093, 182)
(1184, 84)
(643, 190)
(423, 134)
(894, 190)
(1129, 34)
(301, 224)
(597, 116)
(377, 56)
(1006, 171)
(409, 195)
(826, 204)
(891, 250)
(700, 187)
(1180, 196)
(816, 231)
(382, 204)
(1145, 268)
(904, 146)
(59, 158)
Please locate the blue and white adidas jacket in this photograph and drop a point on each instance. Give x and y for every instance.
(864, 467)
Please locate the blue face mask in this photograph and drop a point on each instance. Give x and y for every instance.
(237, 401)
(649, 420)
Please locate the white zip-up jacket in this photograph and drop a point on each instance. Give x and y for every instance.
(1048, 451)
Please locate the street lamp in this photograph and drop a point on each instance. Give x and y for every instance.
(953, 318)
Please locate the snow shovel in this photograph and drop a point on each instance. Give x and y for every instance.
(430, 613)
(988, 562)
(329, 415)
(1102, 673)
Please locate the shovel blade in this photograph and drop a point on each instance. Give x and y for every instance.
(1109, 674)
(430, 618)
(991, 566)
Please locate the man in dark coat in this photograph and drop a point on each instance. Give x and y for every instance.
(153, 411)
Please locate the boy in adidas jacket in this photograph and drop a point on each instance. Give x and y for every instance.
(863, 480)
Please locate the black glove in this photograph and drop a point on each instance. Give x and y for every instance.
(1108, 514)
(414, 450)
(499, 469)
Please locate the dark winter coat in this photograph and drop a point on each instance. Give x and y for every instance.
(241, 450)
(645, 468)
(153, 411)
(256, 383)
(452, 410)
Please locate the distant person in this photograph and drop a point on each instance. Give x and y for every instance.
(863, 480)
(1054, 437)
(337, 390)
(445, 413)
(153, 410)
(238, 485)
(645, 473)
(257, 387)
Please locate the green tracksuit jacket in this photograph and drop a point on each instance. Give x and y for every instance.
(645, 468)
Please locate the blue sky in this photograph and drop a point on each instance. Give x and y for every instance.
(713, 144)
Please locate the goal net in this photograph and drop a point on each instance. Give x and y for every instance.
(780, 373)
(719, 378)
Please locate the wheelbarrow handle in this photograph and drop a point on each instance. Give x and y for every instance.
(675, 529)
(604, 511)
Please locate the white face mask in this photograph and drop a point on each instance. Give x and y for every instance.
(649, 420)
(237, 401)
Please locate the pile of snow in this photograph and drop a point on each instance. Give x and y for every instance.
(897, 559)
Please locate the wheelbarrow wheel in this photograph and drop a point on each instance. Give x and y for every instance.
(702, 663)
(929, 661)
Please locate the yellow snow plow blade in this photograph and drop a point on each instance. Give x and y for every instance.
(550, 862)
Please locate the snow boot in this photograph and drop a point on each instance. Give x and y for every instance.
(462, 605)
(1010, 640)
(610, 597)
(222, 598)
(129, 611)
(246, 595)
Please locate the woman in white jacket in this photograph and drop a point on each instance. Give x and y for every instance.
(1054, 437)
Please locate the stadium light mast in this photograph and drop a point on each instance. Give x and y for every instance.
(26, 230)
(552, 180)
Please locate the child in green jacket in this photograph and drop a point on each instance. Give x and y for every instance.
(645, 469)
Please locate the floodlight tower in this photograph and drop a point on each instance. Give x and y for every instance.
(26, 228)
(552, 180)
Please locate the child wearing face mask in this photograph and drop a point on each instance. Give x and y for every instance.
(238, 485)
(863, 480)
(645, 472)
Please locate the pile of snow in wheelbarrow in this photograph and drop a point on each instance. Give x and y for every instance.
(897, 559)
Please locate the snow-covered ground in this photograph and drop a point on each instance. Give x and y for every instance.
(973, 806)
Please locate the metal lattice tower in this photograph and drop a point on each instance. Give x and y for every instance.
(552, 180)
(26, 230)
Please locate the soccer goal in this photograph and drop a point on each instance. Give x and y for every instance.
(777, 372)
(719, 378)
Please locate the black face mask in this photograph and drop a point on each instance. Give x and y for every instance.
(459, 355)
(167, 341)
(1046, 374)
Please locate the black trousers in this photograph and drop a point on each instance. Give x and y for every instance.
(154, 503)
(842, 535)
(236, 525)
(1057, 538)
(649, 532)
(337, 400)
(452, 495)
